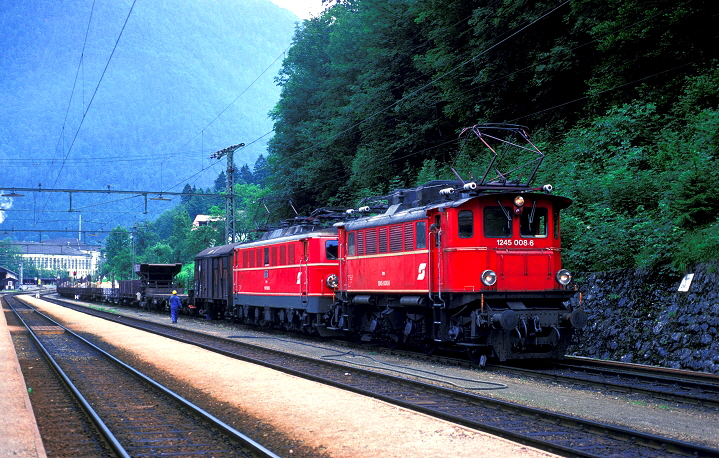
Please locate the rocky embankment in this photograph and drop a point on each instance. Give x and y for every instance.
(640, 317)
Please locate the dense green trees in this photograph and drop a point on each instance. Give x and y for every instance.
(620, 94)
(119, 255)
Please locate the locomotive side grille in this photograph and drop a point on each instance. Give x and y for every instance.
(371, 241)
(395, 238)
(408, 237)
(360, 243)
(382, 239)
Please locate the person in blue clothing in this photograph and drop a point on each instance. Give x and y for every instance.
(175, 305)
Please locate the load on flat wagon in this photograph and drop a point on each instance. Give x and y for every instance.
(152, 290)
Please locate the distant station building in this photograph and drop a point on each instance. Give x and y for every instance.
(8, 279)
(74, 257)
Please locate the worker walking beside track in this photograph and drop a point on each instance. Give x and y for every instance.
(175, 305)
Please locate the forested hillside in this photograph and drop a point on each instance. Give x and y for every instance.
(621, 96)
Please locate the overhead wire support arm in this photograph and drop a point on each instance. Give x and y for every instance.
(102, 191)
(17, 192)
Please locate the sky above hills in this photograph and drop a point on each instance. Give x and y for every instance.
(304, 9)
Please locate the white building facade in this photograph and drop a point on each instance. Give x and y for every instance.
(66, 255)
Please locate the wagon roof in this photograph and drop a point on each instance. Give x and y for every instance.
(282, 235)
(216, 251)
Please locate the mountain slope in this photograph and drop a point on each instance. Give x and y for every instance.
(153, 121)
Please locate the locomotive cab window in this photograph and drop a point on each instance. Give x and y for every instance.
(421, 234)
(533, 222)
(496, 222)
(351, 248)
(465, 224)
(556, 224)
(331, 249)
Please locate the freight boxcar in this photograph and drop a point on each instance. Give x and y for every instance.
(214, 280)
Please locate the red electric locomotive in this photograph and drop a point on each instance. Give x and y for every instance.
(473, 264)
(287, 278)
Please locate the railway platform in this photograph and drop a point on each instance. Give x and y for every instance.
(18, 428)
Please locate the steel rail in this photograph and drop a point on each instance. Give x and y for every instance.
(680, 374)
(660, 383)
(102, 428)
(257, 449)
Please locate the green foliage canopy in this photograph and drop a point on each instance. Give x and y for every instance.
(620, 94)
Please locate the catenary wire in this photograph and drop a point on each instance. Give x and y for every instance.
(89, 104)
(74, 84)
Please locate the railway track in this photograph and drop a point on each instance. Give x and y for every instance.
(687, 387)
(663, 384)
(65, 429)
(557, 433)
(134, 415)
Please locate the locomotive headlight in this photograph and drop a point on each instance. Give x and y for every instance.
(518, 201)
(564, 277)
(333, 281)
(489, 278)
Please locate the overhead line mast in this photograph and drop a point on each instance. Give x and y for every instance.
(230, 230)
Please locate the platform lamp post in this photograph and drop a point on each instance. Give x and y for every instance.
(230, 231)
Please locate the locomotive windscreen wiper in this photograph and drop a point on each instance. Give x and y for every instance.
(531, 215)
(507, 213)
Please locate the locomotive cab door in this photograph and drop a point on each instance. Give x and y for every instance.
(439, 314)
(436, 261)
(302, 279)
